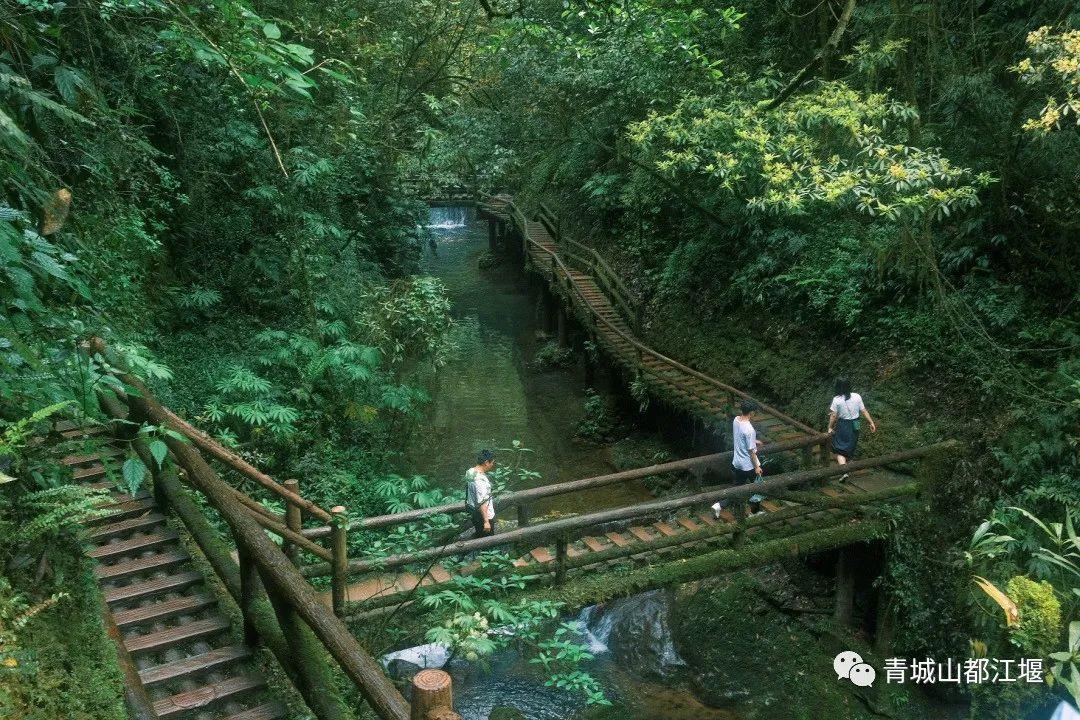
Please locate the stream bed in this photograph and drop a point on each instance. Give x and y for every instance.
(490, 393)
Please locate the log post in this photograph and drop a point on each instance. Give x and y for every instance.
(492, 234)
(845, 586)
(340, 564)
(250, 586)
(432, 692)
(293, 520)
(563, 330)
(561, 545)
(523, 515)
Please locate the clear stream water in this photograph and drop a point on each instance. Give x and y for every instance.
(489, 394)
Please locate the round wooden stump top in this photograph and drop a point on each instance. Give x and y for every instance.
(431, 680)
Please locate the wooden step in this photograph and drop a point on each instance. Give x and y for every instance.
(124, 568)
(266, 711)
(593, 544)
(135, 544)
(89, 473)
(541, 555)
(193, 665)
(184, 605)
(123, 512)
(70, 460)
(122, 527)
(207, 695)
(619, 540)
(171, 637)
(769, 506)
(666, 529)
(120, 498)
(150, 588)
(439, 574)
(689, 524)
(641, 533)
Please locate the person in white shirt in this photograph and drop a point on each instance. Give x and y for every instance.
(844, 412)
(478, 494)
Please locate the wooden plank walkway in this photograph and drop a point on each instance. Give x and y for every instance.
(647, 540)
(669, 380)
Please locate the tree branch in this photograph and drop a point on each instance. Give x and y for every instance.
(822, 55)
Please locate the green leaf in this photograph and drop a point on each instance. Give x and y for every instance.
(134, 471)
(271, 31)
(159, 450)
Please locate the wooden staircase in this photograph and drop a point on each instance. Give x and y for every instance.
(184, 648)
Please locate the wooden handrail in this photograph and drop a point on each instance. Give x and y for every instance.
(544, 491)
(552, 528)
(645, 348)
(97, 346)
(277, 570)
(237, 463)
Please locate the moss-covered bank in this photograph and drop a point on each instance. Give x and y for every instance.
(764, 663)
(69, 669)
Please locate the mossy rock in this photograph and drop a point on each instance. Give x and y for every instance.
(506, 713)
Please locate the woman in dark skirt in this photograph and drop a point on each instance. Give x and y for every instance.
(844, 415)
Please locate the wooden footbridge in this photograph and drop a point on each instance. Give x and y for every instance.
(182, 656)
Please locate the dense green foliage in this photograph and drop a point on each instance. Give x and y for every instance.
(230, 193)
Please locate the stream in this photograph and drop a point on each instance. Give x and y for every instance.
(489, 393)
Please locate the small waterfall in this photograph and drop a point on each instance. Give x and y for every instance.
(636, 631)
(447, 218)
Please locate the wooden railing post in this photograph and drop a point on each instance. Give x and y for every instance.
(340, 564)
(562, 543)
(250, 585)
(523, 515)
(432, 696)
(293, 521)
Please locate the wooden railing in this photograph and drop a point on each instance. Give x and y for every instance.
(265, 575)
(643, 350)
(564, 528)
(521, 499)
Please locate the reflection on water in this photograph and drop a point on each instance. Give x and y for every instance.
(489, 393)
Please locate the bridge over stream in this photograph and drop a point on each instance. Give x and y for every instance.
(180, 654)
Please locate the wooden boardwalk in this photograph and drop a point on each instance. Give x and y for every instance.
(691, 531)
(577, 278)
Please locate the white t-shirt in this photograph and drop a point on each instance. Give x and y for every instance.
(847, 409)
(478, 492)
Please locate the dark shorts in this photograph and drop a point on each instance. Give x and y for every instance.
(478, 523)
(742, 477)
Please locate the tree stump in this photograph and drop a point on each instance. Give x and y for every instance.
(432, 692)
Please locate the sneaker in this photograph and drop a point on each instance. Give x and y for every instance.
(843, 477)
(716, 508)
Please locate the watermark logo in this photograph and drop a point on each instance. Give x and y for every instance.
(849, 665)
